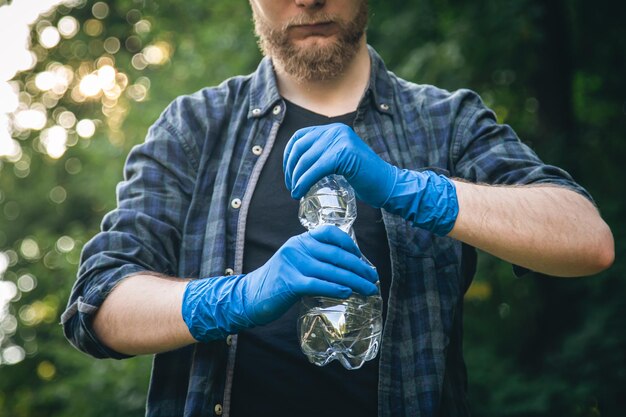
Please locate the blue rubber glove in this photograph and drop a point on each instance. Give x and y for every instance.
(424, 198)
(322, 262)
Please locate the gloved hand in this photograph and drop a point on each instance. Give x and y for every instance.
(424, 198)
(322, 262)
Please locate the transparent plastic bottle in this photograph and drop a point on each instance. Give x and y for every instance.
(329, 328)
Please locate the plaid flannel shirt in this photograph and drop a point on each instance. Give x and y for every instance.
(182, 212)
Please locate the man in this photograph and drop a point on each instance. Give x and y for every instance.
(203, 260)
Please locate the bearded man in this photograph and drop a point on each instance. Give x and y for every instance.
(204, 259)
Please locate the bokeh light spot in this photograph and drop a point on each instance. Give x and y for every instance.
(73, 166)
(137, 92)
(106, 77)
(21, 169)
(26, 283)
(58, 194)
(9, 324)
(139, 62)
(142, 27)
(531, 105)
(93, 27)
(154, 55)
(40, 311)
(54, 141)
(90, 85)
(49, 37)
(46, 370)
(30, 347)
(27, 315)
(105, 61)
(66, 119)
(86, 128)
(65, 244)
(68, 26)
(13, 354)
(30, 249)
(12, 257)
(122, 80)
(133, 43)
(8, 290)
(10, 149)
(100, 10)
(504, 310)
(133, 16)
(44, 80)
(112, 45)
(35, 119)
(11, 210)
(49, 100)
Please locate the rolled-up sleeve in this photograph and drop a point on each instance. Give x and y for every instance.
(142, 234)
(484, 151)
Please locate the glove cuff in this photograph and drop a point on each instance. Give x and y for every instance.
(212, 308)
(426, 199)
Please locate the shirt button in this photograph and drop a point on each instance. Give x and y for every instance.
(236, 203)
(384, 106)
(229, 339)
(257, 150)
(276, 109)
(229, 271)
(256, 112)
(218, 409)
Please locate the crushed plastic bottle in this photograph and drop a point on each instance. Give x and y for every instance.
(329, 328)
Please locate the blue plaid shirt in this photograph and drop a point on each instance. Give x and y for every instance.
(182, 212)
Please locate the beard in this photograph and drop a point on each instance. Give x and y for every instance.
(313, 62)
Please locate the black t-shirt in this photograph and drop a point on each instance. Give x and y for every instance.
(272, 376)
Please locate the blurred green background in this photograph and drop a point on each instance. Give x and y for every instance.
(102, 72)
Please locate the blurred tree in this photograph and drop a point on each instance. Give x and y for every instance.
(91, 96)
(536, 346)
(554, 71)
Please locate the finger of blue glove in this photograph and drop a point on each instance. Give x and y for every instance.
(268, 307)
(340, 260)
(304, 149)
(310, 175)
(333, 235)
(339, 275)
(295, 138)
(319, 159)
(309, 286)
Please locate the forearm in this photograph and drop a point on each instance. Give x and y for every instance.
(547, 229)
(142, 315)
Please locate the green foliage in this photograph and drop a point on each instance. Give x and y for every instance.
(535, 346)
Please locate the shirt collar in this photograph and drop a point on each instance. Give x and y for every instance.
(380, 84)
(264, 89)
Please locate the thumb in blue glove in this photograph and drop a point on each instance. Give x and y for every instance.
(322, 262)
(424, 198)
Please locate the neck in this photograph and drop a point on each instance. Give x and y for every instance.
(332, 97)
